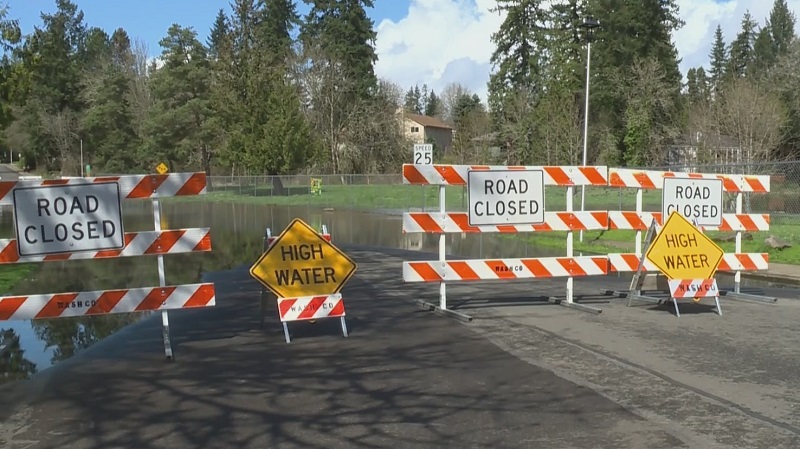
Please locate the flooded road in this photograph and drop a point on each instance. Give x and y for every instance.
(27, 347)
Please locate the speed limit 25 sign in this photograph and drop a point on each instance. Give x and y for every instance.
(423, 154)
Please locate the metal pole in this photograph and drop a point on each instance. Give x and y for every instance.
(585, 126)
(82, 158)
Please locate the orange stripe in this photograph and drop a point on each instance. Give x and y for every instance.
(205, 243)
(463, 270)
(462, 221)
(9, 306)
(427, 223)
(165, 241)
(516, 167)
(601, 217)
(312, 307)
(285, 305)
(147, 186)
(755, 184)
(106, 179)
(425, 271)
(106, 302)
(56, 306)
(412, 175)
(747, 222)
(500, 269)
(155, 298)
(729, 185)
(55, 182)
(56, 257)
(338, 309)
(726, 225)
(129, 236)
(201, 297)
(544, 227)
(644, 180)
(193, 186)
(479, 167)
(615, 180)
(450, 175)
(594, 176)
(572, 266)
(602, 263)
(560, 177)
(537, 268)
(6, 187)
(9, 253)
(506, 228)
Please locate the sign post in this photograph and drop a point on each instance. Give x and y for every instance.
(306, 273)
(685, 254)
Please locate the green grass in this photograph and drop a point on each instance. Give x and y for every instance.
(404, 197)
(11, 274)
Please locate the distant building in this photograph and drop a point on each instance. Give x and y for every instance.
(697, 150)
(424, 129)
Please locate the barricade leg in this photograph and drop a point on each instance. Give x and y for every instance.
(344, 326)
(675, 302)
(286, 332)
(442, 247)
(162, 281)
(719, 309)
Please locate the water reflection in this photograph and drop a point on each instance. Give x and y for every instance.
(237, 231)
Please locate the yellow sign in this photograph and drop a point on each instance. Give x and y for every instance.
(162, 168)
(302, 263)
(681, 251)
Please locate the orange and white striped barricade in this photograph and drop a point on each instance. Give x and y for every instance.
(269, 239)
(307, 308)
(93, 229)
(694, 289)
(738, 222)
(493, 189)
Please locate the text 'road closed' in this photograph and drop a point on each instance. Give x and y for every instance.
(506, 197)
(698, 200)
(68, 218)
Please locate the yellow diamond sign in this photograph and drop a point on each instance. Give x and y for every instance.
(302, 263)
(162, 168)
(681, 251)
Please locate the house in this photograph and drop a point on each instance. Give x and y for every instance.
(697, 150)
(424, 129)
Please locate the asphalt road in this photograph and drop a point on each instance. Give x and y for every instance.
(7, 173)
(524, 374)
(404, 378)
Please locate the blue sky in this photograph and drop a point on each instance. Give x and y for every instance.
(419, 41)
(150, 19)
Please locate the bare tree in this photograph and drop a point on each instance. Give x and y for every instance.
(449, 96)
(752, 116)
(62, 128)
(139, 96)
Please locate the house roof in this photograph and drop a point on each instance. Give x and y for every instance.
(428, 122)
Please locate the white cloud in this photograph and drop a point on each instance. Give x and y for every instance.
(440, 41)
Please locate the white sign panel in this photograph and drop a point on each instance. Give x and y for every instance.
(694, 198)
(505, 197)
(68, 218)
(423, 154)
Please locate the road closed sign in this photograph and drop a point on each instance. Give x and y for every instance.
(68, 218)
(505, 197)
(699, 200)
(301, 262)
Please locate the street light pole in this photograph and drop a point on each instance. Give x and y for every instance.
(589, 24)
(584, 163)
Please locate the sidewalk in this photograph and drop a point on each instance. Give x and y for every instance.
(777, 272)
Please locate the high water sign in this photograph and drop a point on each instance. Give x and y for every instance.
(681, 251)
(302, 263)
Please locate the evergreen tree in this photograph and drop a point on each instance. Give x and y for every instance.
(781, 25)
(741, 49)
(763, 52)
(219, 32)
(432, 105)
(276, 22)
(344, 35)
(718, 59)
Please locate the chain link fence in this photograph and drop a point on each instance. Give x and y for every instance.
(387, 191)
